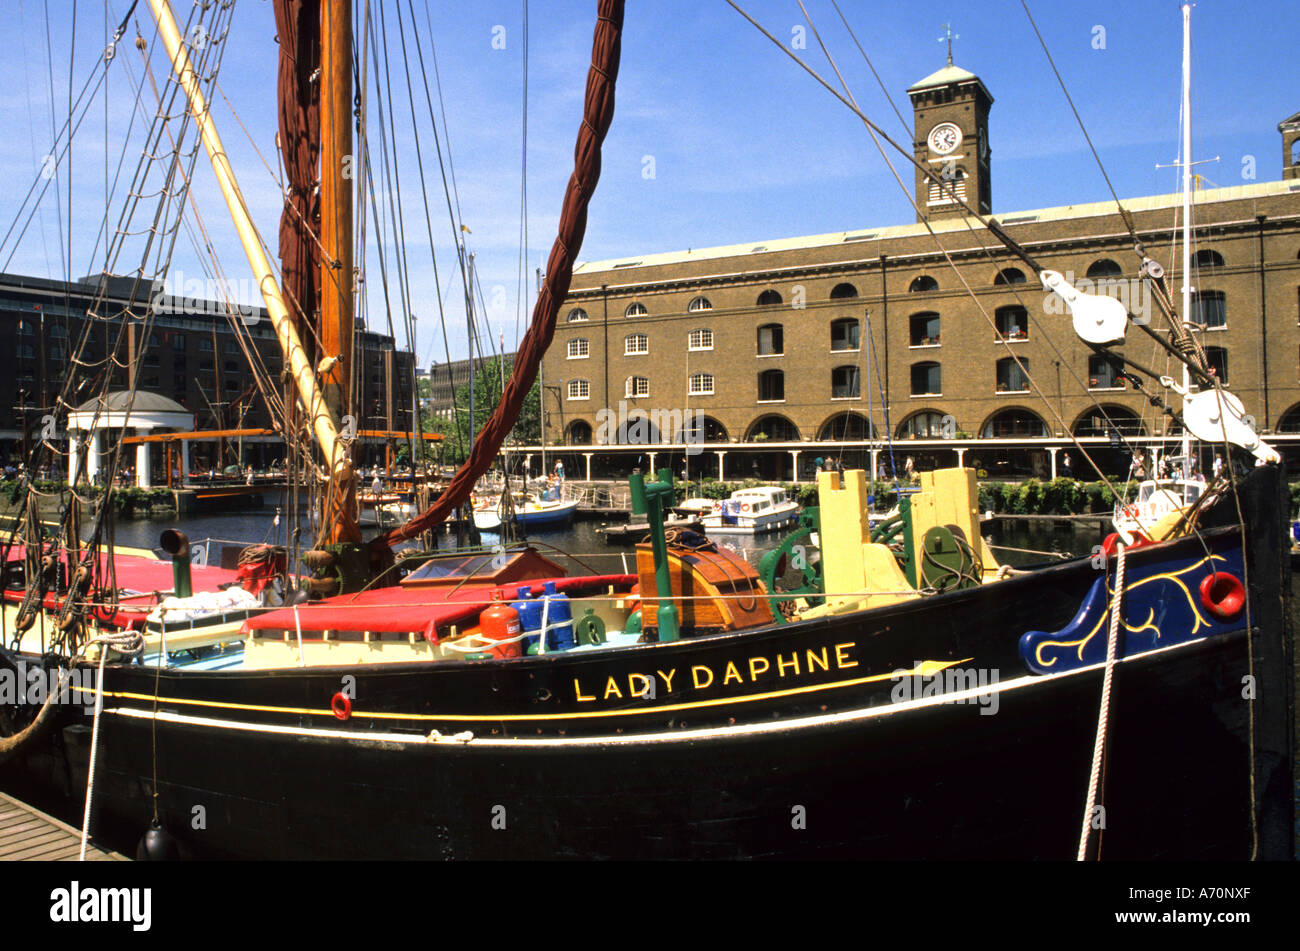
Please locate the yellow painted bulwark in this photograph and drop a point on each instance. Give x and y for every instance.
(858, 573)
(950, 497)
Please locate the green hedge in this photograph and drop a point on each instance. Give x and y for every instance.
(1058, 497)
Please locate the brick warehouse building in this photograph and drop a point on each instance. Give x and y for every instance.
(190, 356)
(772, 345)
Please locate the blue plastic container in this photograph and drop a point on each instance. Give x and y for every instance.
(530, 617)
(559, 612)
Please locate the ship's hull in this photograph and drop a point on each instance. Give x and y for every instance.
(936, 782)
(823, 738)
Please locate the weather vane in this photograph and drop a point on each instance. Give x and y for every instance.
(948, 37)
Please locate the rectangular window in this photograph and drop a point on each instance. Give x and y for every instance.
(771, 340)
(636, 344)
(844, 335)
(924, 330)
(1102, 374)
(845, 383)
(1209, 310)
(927, 379)
(700, 340)
(636, 386)
(771, 386)
(578, 349)
(579, 390)
(1013, 323)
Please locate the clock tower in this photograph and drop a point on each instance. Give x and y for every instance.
(951, 110)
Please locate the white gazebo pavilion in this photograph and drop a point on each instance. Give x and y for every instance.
(143, 413)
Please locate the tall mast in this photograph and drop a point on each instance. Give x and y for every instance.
(1187, 207)
(337, 305)
(541, 393)
(304, 375)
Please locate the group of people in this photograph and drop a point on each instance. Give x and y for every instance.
(828, 465)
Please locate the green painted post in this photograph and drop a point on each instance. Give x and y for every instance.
(648, 500)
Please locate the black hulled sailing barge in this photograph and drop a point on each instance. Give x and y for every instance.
(926, 705)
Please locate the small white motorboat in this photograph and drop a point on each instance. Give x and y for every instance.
(764, 508)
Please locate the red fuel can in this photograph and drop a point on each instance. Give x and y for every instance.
(501, 622)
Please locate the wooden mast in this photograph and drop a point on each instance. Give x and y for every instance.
(323, 425)
(339, 521)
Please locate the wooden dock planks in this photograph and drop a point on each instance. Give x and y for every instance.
(27, 834)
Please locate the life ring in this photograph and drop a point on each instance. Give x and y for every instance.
(1139, 539)
(1223, 595)
(744, 506)
(341, 706)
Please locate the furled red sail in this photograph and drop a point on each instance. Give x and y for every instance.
(297, 25)
(598, 113)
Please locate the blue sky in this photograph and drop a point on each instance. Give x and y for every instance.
(744, 146)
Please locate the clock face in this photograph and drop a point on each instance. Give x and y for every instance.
(944, 138)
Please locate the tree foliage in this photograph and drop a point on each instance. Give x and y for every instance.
(487, 395)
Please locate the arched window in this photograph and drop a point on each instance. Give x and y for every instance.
(579, 433)
(636, 386)
(844, 333)
(25, 329)
(768, 298)
(774, 428)
(924, 329)
(577, 315)
(635, 309)
(771, 386)
(1012, 377)
(1010, 275)
(637, 430)
(1207, 257)
(846, 427)
(843, 291)
(1012, 423)
(1012, 322)
(1209, 309)
(579, 390)
(1105, 418)
(695, 433)
(1217, 358)
(700, 339)
(922, 284)
(1104, 267)
(927, 424)
(579, 349)
(58, 333)
(1290, 421)
(26, 352)
(698, 304)
(701, 384)
(635, 345)
(771, 340)
(846, 383)
(927, 379)
(1103, 374)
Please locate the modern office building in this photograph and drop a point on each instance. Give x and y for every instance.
(190, 356)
